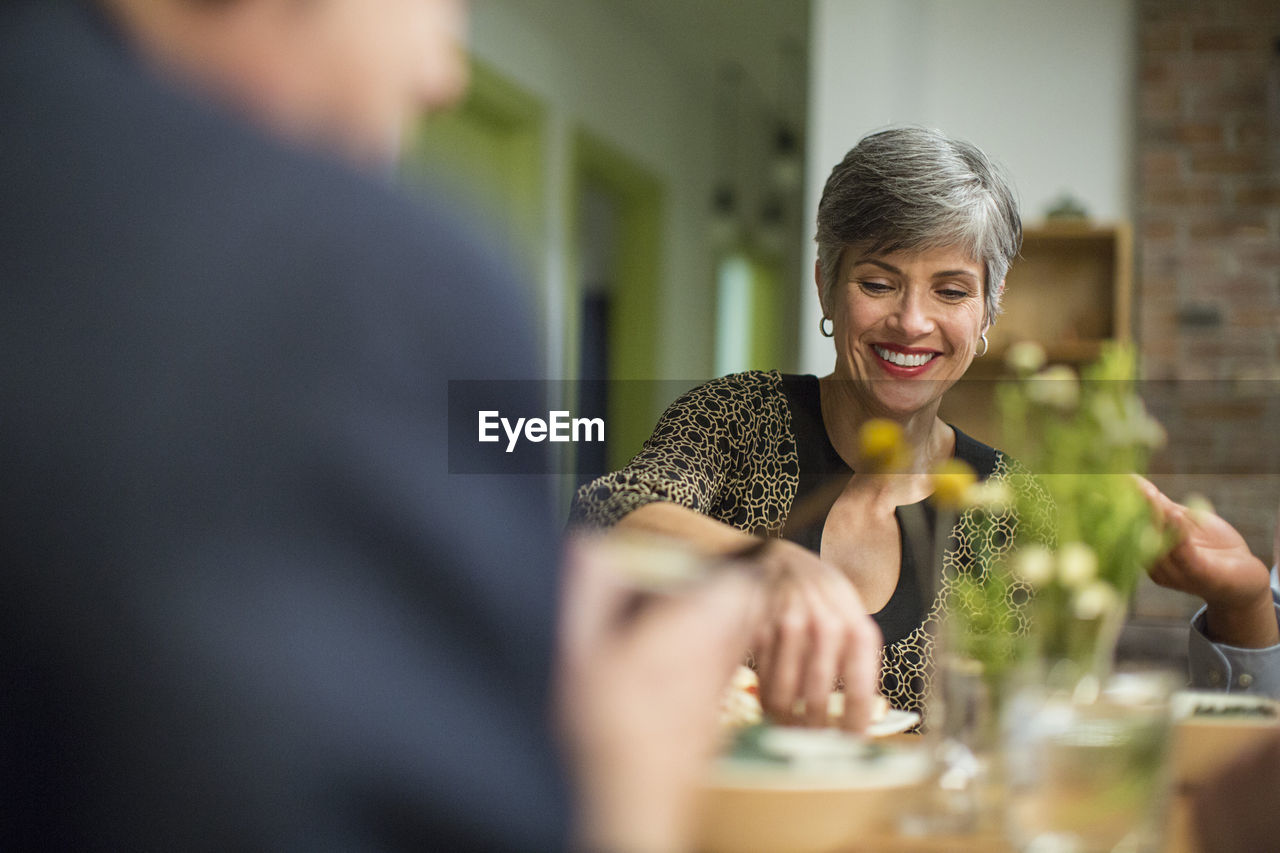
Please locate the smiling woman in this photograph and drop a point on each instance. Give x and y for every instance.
(915, 234)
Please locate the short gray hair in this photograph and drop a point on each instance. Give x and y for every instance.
(912, 189)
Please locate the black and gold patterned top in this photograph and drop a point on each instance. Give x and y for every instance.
(747, 448)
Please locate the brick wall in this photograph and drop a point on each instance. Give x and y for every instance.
(1208, 253)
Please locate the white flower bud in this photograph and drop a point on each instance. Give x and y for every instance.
(1025, 357)
(990, 495)
(1111, 418)
(1034, 565)
(1198, 504)
(1126, 423)
(1077, 565)
(1151, 434)
(1095, 600)
(1055, 386)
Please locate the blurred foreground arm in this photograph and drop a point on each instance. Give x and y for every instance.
(639, 693)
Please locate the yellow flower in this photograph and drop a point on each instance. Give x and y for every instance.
(1034, 565)
(952, 480)
(1077, 565)
(1025, 357)
(882, 446)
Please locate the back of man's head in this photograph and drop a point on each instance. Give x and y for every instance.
(348, 75)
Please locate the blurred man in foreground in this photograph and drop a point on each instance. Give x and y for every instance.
(246, 606)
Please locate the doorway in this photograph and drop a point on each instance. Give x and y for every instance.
(615, 297)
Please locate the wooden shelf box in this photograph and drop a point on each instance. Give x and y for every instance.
(1070, 290)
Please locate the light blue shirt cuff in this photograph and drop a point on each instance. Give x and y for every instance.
(1218, 667)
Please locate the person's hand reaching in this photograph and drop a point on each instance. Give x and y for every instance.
(816, 630)
(1212, 561)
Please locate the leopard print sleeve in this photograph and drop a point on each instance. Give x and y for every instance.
(711, 451)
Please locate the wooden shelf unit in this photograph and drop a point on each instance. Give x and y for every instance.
(1070, 290)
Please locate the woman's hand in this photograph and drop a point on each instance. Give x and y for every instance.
(815, 628)
(1212, 561)
(640, 684)
(815, 631)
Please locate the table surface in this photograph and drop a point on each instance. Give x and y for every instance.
(1179, 835)
(1199, 750)
(1179, 838)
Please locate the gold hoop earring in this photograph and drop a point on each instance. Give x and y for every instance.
(986, 346)
(822, 327)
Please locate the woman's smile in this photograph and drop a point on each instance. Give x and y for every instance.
(903, 361)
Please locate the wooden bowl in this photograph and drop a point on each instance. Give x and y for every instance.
(808, 806)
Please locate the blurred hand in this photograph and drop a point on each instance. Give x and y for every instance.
(1212, 561)
(640, 684)
(816, 629)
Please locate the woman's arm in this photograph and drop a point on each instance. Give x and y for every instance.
(703, 532)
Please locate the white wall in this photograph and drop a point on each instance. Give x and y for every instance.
(594, 68)
(1045, 87)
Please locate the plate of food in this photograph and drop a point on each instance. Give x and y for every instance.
(894, 722)
(740, 707)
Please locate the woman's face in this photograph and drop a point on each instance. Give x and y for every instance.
(906, 325)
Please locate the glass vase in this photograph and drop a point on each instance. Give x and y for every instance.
(963, 738)
(1086, 761)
